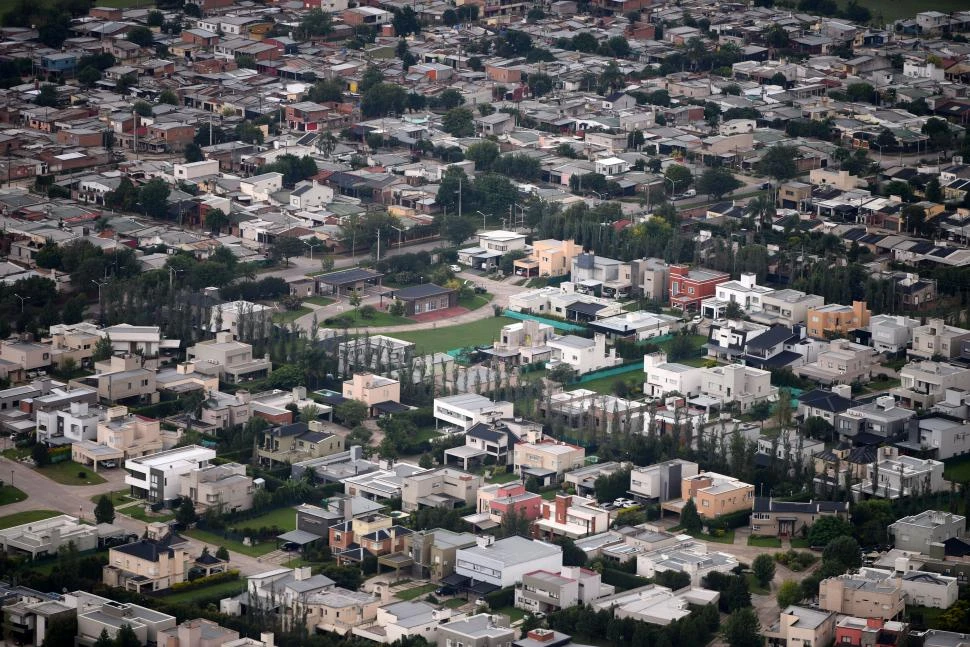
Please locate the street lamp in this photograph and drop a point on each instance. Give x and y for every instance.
(673, 185)
(400, 236)
(22, 299)
(310, 245)
(483, 219)
(880, 150)
(100, 285)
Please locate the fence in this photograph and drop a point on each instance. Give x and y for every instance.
(558, 325)
(610, 372)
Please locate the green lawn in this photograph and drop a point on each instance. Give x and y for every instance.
(318, 301)
(379, 319)
(117, 498)
(286, 316)
(16, 453)
(882, 385)
(214, 592)
(726, 538)
(444, 338)
(138, 512)
(27, 516)
(10, 494)
(604, 385)
(755, 586)
(513, 613)
(957, 469)
(475, 301)
(284, 518)
(549, 495)
(68, 473)
(800, 543)
(416, 592)
(503, 477)
(454, 603)
(764, 542)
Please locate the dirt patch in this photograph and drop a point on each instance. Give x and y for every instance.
(439, 315)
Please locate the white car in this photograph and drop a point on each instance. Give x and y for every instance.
(455, 268)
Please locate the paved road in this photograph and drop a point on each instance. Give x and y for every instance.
(45, 494)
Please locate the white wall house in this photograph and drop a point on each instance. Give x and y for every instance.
(584, 355)
(663, 377)
(504, 562)
(159, 476)
(310, 194)
(468, 409)
(260, 187)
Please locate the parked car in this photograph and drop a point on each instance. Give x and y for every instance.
(109, 464)
(455, 268)
(446, 590)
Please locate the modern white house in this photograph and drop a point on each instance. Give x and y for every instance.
(584, 355)
(466, 410)
(663, 377)
(745, 292)
(891, 333)
(732, 383)
(261, 187)
(74, 424)
(692, 558)
(504, 562)
(158, 477)
(892, 476)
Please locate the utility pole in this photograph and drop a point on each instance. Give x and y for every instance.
(400, 236)
(459, 196)
(310, 245)
(378, 244)
(171, 276)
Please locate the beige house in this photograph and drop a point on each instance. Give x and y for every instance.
(120, 436)
(798, 626)
(548, 258)
(936, 338)
(340, 610)
(74, 342)
(232, 360)
(372, 389)
(29, 355)
(441, 488)
(714, 495)
(547, 459)
(843, 362)
(226, 488)
(863, 595)
(153, 563)
(125, 378)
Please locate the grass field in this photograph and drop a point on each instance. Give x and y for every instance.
(286, 316)
(475, 301)
(764, 542)
(514, 614)
(726, 538)
(800, 543)
(318, 301)
(379, 319)
(634, 381)
(454, 603)
(284, 518)
(118, 497)
(138, 512)
(416, 592)
(957, 469)
(67, 473)
(10, 494)
(214, 592)
(27, 516)
(755, 586)
(443, 338)
(504, 477)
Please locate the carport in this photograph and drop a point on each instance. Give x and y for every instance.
(301, 538)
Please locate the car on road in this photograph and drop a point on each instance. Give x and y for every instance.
(765, 186)
(455, 268)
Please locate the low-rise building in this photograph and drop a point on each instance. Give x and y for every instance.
(74, 424)
(120, 436)
(920, 531)
(425, 298)
(231, 360)
(691, 558)
(47, 536)
(662, 481)
(399, 621)
(481, 630)
(798, 626)
(372, 390)
(499, 499)
(340, 610)
(655, 604)
(444, 487)
(386, 482)
(771, 518)
(689, 287)
(866, 594)
(434, 551)
(469, 409)
(582, 354)
(543, 591)
(875, 421)
(158, 477)
(843, 362)
(937, 436)
(225, 488)
(546, 459)
(891, 333)
(570, 515)
(837, 319)
(873, 632)
(786, 307)
(937, 339)
(892, 476)
(924, 383)
(299, 441)
(504, 562)
(153, 563)
(548, 258)
(714, 495)
(96, 614)
(483, 442)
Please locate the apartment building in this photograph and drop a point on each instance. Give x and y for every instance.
(466, 410)
(504, 562)
(714, 495)
(837, 320)
(158, 477)
(543, 591)
(786, 307)
(548, 257)
(546, 459)
(153, 563)
(771, 518)
(689, 287)
(372, 390)
(843, 362)
(231, 360)
(662, 481)
(924, 383)
(120, 436)
(866, 594)
(920, 531)
(224, 488)
(570, 515)
(937, 340)
(444, 487)
(799, 626)
(892, 476)
(582, 354)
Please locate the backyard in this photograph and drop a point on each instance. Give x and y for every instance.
(475, 301)
(439, 340)
(27, 516)
(208, 593)
(71, 473)
(415, 592)
(957, 469)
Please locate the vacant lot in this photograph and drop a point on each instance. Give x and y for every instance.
(70, 473)
(27, 516)
(284, 518)
(444, 338)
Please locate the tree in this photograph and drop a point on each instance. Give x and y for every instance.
(285, 248)
(326, 91)
(104, 640)
(47, 96)
(938, 130)
(827, 529)
(155, 19)
(933, 191)
(193, 153)
(843, 550)
(351, 413)
(426, 461)
(153, 197)
(104, 511)
(316, 22)
(168, 97)
(126, 637)
(459, 122)
(483, 154)
(779, 162)
(679, 177)
(539, 84)
(185, 514)
(690, 519)
(718, 182)
(141, 36)
(457, 230)
(88, 76)
(215, 220)
(789, 593)
(763, 568)
(562, 373)
(370, 78)
(742, 629)
(40, 454)
(585, 42)
(102, 349)
(222, 553)
(383, 99)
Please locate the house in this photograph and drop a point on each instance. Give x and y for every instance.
(736, 383)
(771, 518)
(425, 298)
(74, 424)
(499, 499)
(434, 551)
(492, 245)
(124, 379)
(120, 436)
(340, 610)
(820, 403)
(649, 278)
(232, 361)
(444, 487)
(225, 488)
(546, 459)
(873, 422)
(373, 534)
(790, 445)
(728, 338)
(377, 353)
(542, 591)
(868, 593)
(29, 356)
(919, 532)
(799, 625)
(47, 536)
(96, 614)
(504, 562)
(656, 604)
(138, 340)
(662, 481)
(158, 477)
(842, 362)
(786, 307)
(600, 275)
(383, 483)
(399, 621)
(523, 342)
(746, 293)
(875, 632)
(636, 326)
(224, 411)
(484, 443)
(309, 194)
(261, 187)
(480, 630)
(153, 563)
(583, 479)
(924, 383)
(277, 591)
(469, 409)
(662, 377)
(372, 390)
(937, 436)
(713, 494)
(582, 354)
(548, 257)
(836, 319)
(692, 558)
(891, 333)
(570, 515)
(298, 441)
(892, 476)
(937, 340)
(244, 319)
(689, 287)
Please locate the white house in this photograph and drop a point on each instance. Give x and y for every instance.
(611, 166)
(892, 476)
(584, 355)
(745, 292)
(690, 557)
(310, 194)
(891, 333)
(664, 377)
(66, 426)
(260, 187)
(504, 562)
(400, 620)
(466, 410)
(159, 476)
(193, 170)
(745, 385)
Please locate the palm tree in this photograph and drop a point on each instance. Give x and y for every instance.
(762, 208)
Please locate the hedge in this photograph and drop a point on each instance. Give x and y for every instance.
(625, 581)
(202, 582)
(738, 519)
(500, 599)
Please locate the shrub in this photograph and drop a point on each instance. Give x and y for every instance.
(198, 583)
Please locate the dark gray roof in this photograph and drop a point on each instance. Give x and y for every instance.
(825, 400)
(420, 291)
(353, 275)
(771, 337)
(767, 504)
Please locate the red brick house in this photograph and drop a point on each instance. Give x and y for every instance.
(305, 115)
(514, 497)
(687, 287)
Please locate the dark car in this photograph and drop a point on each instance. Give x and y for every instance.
(446, 590)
